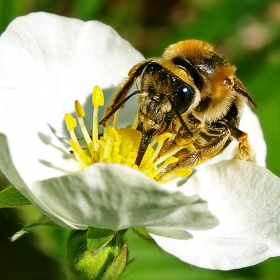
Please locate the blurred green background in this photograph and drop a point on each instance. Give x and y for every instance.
(246, 32)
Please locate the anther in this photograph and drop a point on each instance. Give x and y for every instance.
(71, 124)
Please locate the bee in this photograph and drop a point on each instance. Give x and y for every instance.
(192, 92)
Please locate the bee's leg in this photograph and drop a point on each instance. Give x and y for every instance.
(201, 154)
(243, 151)
(206, 151)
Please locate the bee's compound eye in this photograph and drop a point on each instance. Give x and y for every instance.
(183, 97)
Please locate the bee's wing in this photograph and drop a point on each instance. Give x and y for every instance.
(240, 88)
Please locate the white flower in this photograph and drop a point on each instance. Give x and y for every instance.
(46, 63)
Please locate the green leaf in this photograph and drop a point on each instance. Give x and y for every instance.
(42, 221)
(11, 197)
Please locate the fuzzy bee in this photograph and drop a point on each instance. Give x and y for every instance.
(192, 92)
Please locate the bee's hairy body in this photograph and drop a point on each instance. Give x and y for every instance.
(193, 93)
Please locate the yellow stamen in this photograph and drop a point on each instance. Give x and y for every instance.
(183, 172)
(116, 119)
(70, 122)
(122, 145)
(167, 162)
(80, 112)
(97, 97)
(112, 135)
(179, 173)
(80, 155)
(169, 154)
(97, 100)
(160, 140)
(135, 123)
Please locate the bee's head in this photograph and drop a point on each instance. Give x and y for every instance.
(165, 93)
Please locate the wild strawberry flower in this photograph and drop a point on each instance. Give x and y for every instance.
(224, 216)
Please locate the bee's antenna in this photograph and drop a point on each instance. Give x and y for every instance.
(117, 107)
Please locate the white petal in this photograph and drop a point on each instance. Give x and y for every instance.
(29, 143)
(58, 60)
(118, 197)
(246, 199)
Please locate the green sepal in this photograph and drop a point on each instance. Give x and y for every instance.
(143, 233)
(42, 221)
(97, 238)
(96, 254)
(11, 197)
(117, 267)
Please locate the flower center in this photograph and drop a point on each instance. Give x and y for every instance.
(120, 145)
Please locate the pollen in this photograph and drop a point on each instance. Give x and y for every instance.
(118, 145)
